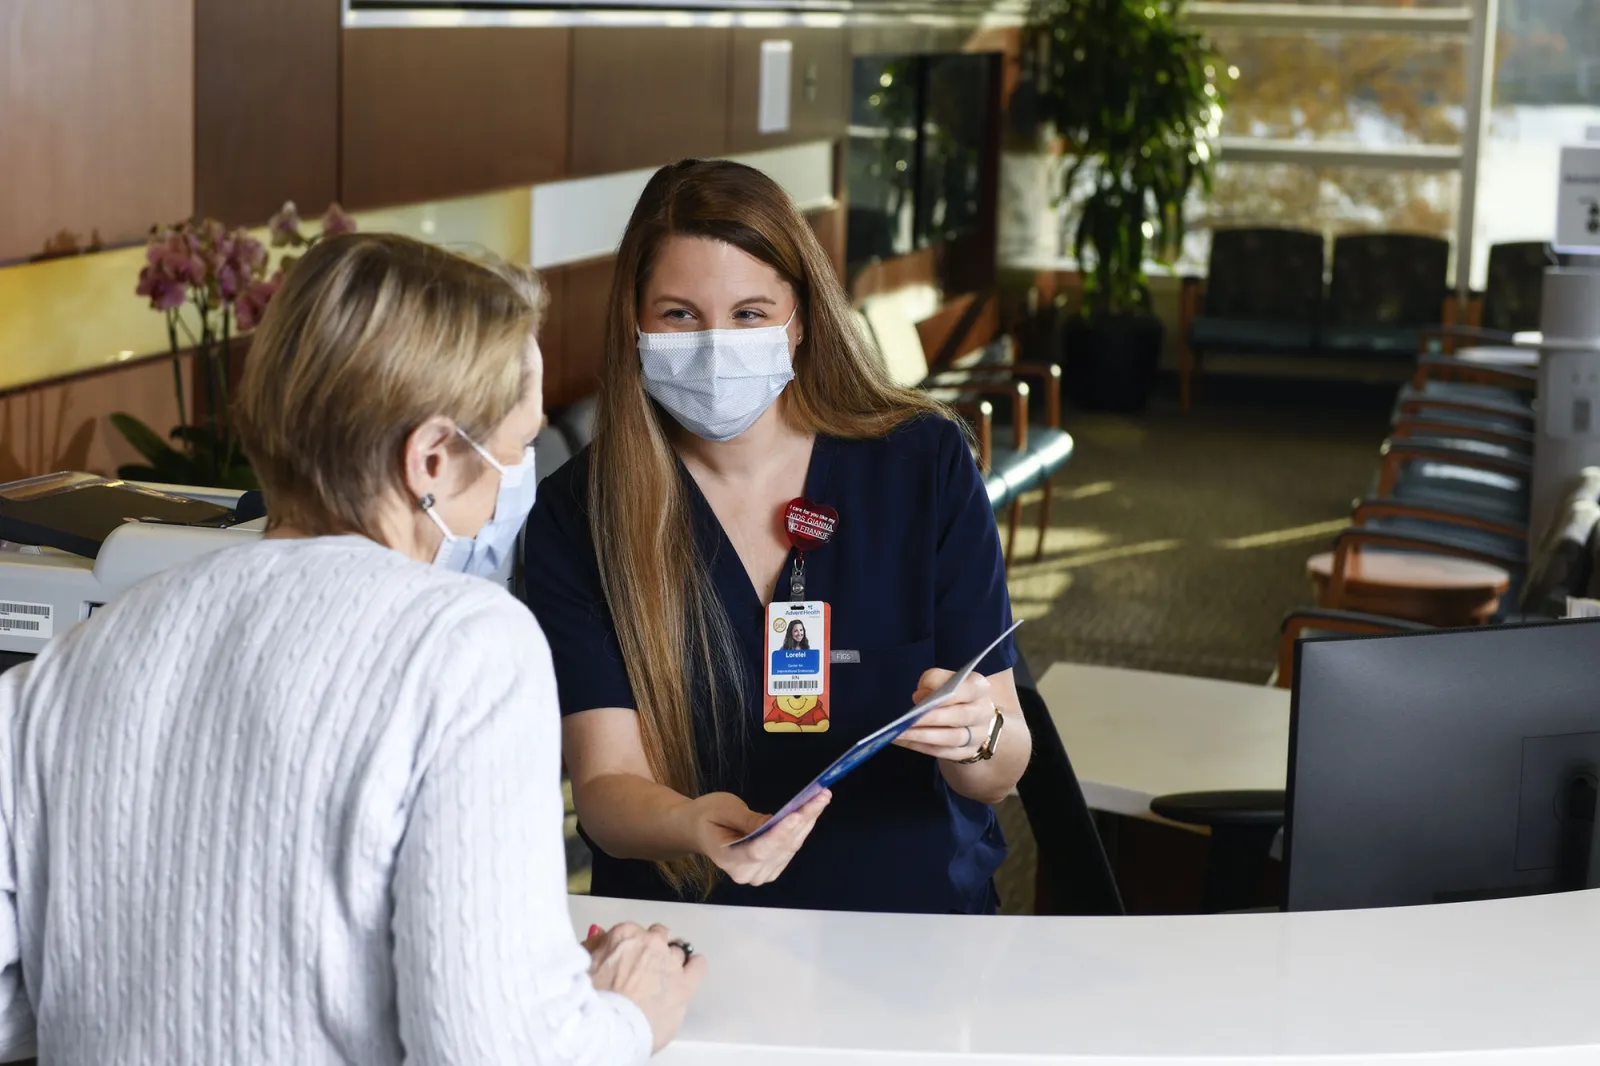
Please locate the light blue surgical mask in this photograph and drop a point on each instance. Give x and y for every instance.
(489, 553)
(717, 382)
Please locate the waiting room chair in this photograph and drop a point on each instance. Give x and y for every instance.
(1262, 295)
(1008, 472)
(1385, 292)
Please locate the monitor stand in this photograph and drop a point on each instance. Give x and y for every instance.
(1579, 863)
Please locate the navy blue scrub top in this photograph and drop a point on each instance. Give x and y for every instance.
(916, 580)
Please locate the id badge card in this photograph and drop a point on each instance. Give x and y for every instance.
(797, 667)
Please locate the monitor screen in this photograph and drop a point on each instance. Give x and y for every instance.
(1442, 766)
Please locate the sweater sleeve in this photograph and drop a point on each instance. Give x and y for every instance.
(487, 966)
(17, 1027)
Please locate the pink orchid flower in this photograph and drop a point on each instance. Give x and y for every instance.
(335, 222)
(285, 227)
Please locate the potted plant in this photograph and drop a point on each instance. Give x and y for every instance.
(1132, 93)
(207, 280)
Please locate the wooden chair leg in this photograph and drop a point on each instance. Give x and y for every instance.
(1011, 530)
(1044, 518)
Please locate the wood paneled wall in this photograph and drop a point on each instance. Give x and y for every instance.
(96, 119)
(431, 114)
(819, 89)
(646, 97)
(266, 107)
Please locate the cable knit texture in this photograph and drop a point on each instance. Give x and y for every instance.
(298, 802)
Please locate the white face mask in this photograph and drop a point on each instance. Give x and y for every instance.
(717, 382)
(489, 553)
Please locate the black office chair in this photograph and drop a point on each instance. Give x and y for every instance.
(1243, 824)
(1075, 875)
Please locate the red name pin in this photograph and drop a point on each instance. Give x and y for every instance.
(810, 525)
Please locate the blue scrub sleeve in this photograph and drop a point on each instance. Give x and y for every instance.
(971, 603)
(562, 584)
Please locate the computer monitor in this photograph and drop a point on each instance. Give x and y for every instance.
(1442, 766)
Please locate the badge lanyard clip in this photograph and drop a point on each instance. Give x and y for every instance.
(810, 525)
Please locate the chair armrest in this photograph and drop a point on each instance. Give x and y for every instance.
(1414, 406)
(980, 416)
(1438, 367)
(1355, 537)
(1409, 425)
(1000, 389)
(1300, 619)
(1257, 808)
(1397, 452)
(1390, 508)
(1048, 373)
(1355, 623)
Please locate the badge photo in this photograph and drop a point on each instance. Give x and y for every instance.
(797, 668)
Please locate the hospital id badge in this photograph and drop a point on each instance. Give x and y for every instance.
(797, 667)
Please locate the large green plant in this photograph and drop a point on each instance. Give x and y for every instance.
(1133, 93)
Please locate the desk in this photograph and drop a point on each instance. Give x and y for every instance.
(1133, 735)
(1477, 984)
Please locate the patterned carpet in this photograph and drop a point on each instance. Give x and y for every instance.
(1178, 541)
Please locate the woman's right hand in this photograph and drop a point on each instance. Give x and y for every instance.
(640, 964)
(720, 818)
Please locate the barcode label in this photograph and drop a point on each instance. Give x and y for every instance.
(33, 620)
(807, 685)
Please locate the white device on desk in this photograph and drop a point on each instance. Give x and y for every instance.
(45, 591)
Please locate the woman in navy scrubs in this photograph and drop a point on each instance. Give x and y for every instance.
(734, 383)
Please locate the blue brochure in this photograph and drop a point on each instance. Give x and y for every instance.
(876, 741)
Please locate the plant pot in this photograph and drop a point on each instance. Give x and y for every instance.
(1110, 361)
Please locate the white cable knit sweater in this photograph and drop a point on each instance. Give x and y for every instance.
(297, 802)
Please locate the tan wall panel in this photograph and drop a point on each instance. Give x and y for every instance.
(819, 89)
(266, 107)
(96, 119)
(646, 97)
(437, 113)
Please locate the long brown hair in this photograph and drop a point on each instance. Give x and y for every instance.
(639, 514)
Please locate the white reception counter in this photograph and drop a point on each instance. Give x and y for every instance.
(1477, 984)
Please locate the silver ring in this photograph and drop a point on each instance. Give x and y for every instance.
(969, 736)
(683, 946)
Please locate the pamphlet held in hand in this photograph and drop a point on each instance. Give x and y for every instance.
(876, 741)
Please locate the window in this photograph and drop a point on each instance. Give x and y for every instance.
(1546, 95)
(1362, 88)
(914, 174)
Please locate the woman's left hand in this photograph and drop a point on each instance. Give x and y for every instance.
(957, 728)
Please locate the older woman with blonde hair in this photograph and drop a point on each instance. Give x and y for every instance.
(299, 801)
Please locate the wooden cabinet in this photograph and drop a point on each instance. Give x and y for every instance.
(442, 112)
(819, 89)
(648, 96)
(96, 119)
(266, 107)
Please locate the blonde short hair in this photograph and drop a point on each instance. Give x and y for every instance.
(370, 336)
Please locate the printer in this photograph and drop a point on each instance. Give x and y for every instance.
(72, 542)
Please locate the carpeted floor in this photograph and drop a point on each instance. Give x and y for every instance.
(1177, 541)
